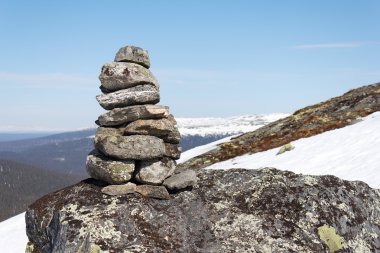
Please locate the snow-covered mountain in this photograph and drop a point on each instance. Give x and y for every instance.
(200, 131)
(350, 153)
(225, 126)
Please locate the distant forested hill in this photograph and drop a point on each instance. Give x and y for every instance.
(21, 185)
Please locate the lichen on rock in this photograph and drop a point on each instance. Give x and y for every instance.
(329, 236)
(285, 148)
(240, 210)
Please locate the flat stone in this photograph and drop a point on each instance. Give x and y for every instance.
(119, 116)
(110, 171)
(181, 180)
(155, 171)
(133, 54)
(141, 94)
(122, 75)
(118, 190)
(151, 191)
(134, 147)
(162, 128)
(173, 151)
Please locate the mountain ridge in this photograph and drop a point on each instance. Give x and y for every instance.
(312, 120)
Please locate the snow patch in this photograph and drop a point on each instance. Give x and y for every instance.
(350, 153)
(13, 237)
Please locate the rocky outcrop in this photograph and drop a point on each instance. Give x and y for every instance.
(312, 120)
(237, 210)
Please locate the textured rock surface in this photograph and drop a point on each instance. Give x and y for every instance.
(163, 128)
(135, 147)
(154, 171)
(181, 180)
(151, 191)
(141, 94)
(117, 190)
(172, 151)
(312, 120)
(103, 132)
(133, 54)
(119, 116)
(111, 171)
(227, 211)
(122, 75)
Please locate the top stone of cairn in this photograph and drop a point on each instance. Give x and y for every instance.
(133, 54)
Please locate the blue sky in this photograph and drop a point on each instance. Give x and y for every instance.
(212, 58)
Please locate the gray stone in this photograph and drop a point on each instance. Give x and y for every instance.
(122, 75)
(141, 94)
(102, 132)
(173, 151)
(151, 191)
(181, 180)
(118, 190)
(234, 210)
(162, 128)
(110, 171)
(134, 147)
(133, 54)
(119, 116)
(155, 171)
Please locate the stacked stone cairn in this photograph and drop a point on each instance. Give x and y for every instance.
(137, 141)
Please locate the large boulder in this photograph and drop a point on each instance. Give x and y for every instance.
(122, 75)
(236, 210)
(119, 116)
(141, 94)
(133, 54)
(164, 128)
(134, 147)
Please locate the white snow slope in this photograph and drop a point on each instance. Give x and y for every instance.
(12, 235)
(351, 153)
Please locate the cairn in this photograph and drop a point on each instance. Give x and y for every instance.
(137, 141)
